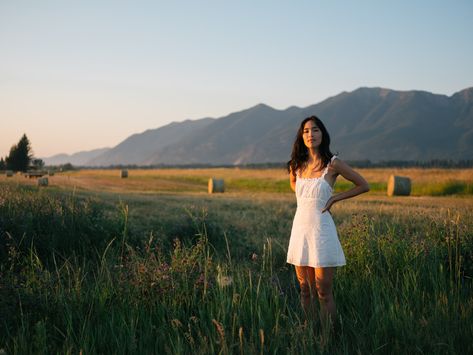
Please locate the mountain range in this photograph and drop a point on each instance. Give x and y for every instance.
(366, 124)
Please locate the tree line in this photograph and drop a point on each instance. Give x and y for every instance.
(433, 163)
(21, 157)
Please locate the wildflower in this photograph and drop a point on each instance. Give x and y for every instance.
(164, 267)
(224, 281)
(200, 280)
(176, 323)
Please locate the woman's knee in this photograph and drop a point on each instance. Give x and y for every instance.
(324, 292)
(305, 290)
(324, 282)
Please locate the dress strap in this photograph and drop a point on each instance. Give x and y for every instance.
(330, 162)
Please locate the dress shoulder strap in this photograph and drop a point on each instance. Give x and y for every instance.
(330, 162)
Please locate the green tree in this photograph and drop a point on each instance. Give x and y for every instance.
(20, 155)
(3, 165)
(37, 164)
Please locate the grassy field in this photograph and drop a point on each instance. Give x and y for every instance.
(425, 182)
(153, 264)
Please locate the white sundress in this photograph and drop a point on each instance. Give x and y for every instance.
(314, 240)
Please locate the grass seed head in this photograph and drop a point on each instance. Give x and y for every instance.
(220, 330)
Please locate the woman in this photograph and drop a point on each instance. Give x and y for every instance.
(314, 247)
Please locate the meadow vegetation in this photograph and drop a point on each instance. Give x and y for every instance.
(425, 182)
(99, 264)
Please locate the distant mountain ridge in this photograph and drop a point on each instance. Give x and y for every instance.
(367, 123)
(141, 148)
(79, 158)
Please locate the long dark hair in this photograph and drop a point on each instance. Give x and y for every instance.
(300, 153)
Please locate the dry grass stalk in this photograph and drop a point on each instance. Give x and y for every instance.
(220, 330)
(261, 339)
(221, 334)
(240, 335)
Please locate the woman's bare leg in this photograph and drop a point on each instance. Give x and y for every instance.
(324, 283)
(306, 277)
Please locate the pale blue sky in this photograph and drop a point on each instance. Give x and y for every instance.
(80, 75)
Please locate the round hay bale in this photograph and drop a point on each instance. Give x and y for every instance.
(399, 186)
(124, 174)
(9, 173)
(43, 181)
(50, 173)
(216, 185)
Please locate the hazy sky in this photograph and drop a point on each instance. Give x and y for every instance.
(79, 75)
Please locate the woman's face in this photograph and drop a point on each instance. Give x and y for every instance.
(312, 135)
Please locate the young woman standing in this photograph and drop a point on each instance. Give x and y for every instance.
(314, 247)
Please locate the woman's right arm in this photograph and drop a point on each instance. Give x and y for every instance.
(292, 181)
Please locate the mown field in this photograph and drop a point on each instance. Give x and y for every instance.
(425, 182)
(153, 264)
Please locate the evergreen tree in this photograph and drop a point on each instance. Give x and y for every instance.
(20, 155)
(3, 165)
(37, 164)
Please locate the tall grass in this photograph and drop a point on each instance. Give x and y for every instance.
(59, 223)
(407, 286)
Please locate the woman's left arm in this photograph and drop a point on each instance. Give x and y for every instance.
(348, 173)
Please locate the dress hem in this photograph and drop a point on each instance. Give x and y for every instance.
(304, 264)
